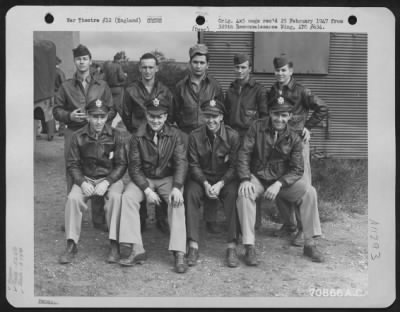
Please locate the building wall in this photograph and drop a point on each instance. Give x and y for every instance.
(65, 41)
(344, 88)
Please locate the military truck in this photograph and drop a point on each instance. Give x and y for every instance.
(44, 60)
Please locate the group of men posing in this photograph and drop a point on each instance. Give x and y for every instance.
(191, 148)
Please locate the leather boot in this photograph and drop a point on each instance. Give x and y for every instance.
(180, 265)
(69, 253)
(232, 259)
(251, 257)
(113, 256)
(133, 258)
(312, 252)
(192, 256)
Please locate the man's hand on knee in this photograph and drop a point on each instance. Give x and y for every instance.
(273, 190)
(101, 188)
(176, 198)
(247, 189)
(87, 188)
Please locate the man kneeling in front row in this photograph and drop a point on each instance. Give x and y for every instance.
(270, 163)
(157, 168)
(97, 161)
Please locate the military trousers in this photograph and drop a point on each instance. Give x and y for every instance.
(301, 194)
(195, 196)
(76, 204)
(130, 218)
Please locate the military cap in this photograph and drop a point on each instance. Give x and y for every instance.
(157, 106)
(97, 107)
(58, 60)
(280, 104)
(281, 61)
(213, 107)
(81, 50)
(240, 58)
(198, 49)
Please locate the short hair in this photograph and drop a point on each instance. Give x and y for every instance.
(148, 56)
(117, 56)
(201, 54)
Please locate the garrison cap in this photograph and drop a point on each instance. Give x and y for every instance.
(213, 107)
(157, 106)
(280, 104)
(198, 49)
(97, 107)
(281, 60)
(81, 50)
(240, 58)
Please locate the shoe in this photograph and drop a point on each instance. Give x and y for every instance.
(69, 252)
(133, 259)
(163, 226)
(101, 226)
(285, 230)
(250, 257)
(232, 259)
(180, 265)
(212, 228)
(298, 240)
(113, 256)
(313, 253)
(192, 256)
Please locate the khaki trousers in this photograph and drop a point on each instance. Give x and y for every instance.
(130, 218)
(301, 194)
(76, 204)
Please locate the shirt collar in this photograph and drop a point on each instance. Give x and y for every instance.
(88, 79)
(145, 131)
(251, 82)
(221, 133)
(89, 131)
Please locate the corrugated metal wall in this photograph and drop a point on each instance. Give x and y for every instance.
(344, 89)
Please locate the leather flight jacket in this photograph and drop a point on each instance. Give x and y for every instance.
(304, 101)
(133, 109)
(96, 157)
(213, 162)
(157, 161)
(271, 157)
(188, 114)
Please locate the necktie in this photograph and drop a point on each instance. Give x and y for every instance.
(155, 139)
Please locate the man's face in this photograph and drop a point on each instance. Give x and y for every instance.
(280, 120)
(243, 71)
(148, 69)
(198, 65)
(97, 121)
(82, 63)
(283, 74)
(213, 122)
(156, 121)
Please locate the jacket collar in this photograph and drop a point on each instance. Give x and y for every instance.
(251, 82)
(290, 85)
(89, 131)
(91, 79)
(221, 133)
(144, 130)
(188, 78)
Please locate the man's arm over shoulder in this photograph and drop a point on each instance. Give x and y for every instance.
(107, 97)
(234, 139)
(245, 152)
(59, 110)
(317, 105)
(195, 170)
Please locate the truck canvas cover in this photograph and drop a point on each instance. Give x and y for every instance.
(44, 69)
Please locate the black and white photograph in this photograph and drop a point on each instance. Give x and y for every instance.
(225, 164)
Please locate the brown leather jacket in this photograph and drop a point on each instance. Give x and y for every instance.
(136, 94)
(271, 161)
(216, 162)
(148, 160)
(71, 95)
(304, 101)
(102, 157)
(243, 107)
(187, 112)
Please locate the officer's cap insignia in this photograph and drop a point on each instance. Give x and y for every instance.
(281, 100)
(98, 103)
(156, 102)
(213, 103)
